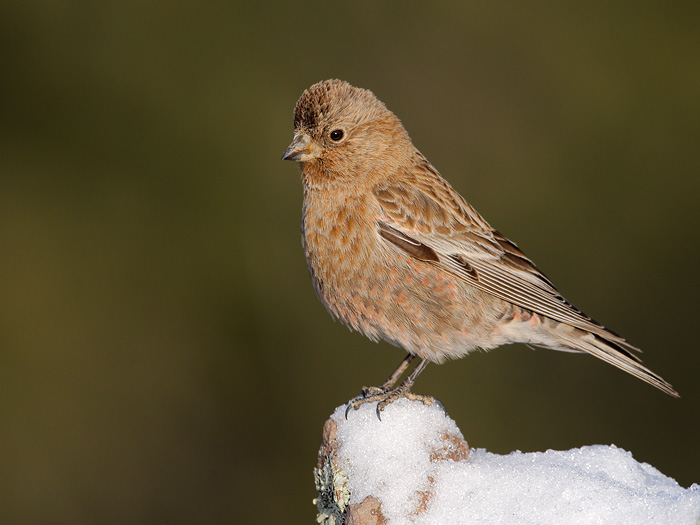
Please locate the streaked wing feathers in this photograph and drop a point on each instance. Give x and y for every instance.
(467, 247)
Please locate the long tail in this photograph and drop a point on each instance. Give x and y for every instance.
(542, 331)
(609, 347)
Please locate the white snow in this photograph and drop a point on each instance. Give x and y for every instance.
(391, 460)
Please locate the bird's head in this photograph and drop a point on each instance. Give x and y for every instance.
(345, 131)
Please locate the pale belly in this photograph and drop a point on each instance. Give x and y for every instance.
(378, 290)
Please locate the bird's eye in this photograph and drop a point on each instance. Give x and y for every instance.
(336, 135)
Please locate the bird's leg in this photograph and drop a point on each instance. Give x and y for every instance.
(391, 380)
(404, 390)
(385, 395)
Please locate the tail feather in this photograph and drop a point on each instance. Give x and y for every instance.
(615, 353)
(521, 325)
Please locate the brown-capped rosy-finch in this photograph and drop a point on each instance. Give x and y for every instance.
(396, 254)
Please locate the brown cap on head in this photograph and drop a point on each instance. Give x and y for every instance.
(329, 99)
(345, 127)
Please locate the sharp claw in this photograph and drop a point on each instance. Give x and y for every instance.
(444, 410)
(384, 397)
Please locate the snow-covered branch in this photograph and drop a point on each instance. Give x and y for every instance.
(414, 466)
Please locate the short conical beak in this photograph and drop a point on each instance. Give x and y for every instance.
(301, 149)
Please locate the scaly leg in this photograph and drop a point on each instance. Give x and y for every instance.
(385, 395)
(398, 372)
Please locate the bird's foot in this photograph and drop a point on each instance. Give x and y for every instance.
(385, 396)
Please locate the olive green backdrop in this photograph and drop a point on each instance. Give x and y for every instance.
(163, 357)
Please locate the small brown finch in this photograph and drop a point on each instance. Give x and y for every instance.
(397, 254)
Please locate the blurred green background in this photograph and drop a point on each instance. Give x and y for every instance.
(163, 357)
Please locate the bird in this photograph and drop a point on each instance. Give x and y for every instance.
(395, 253)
